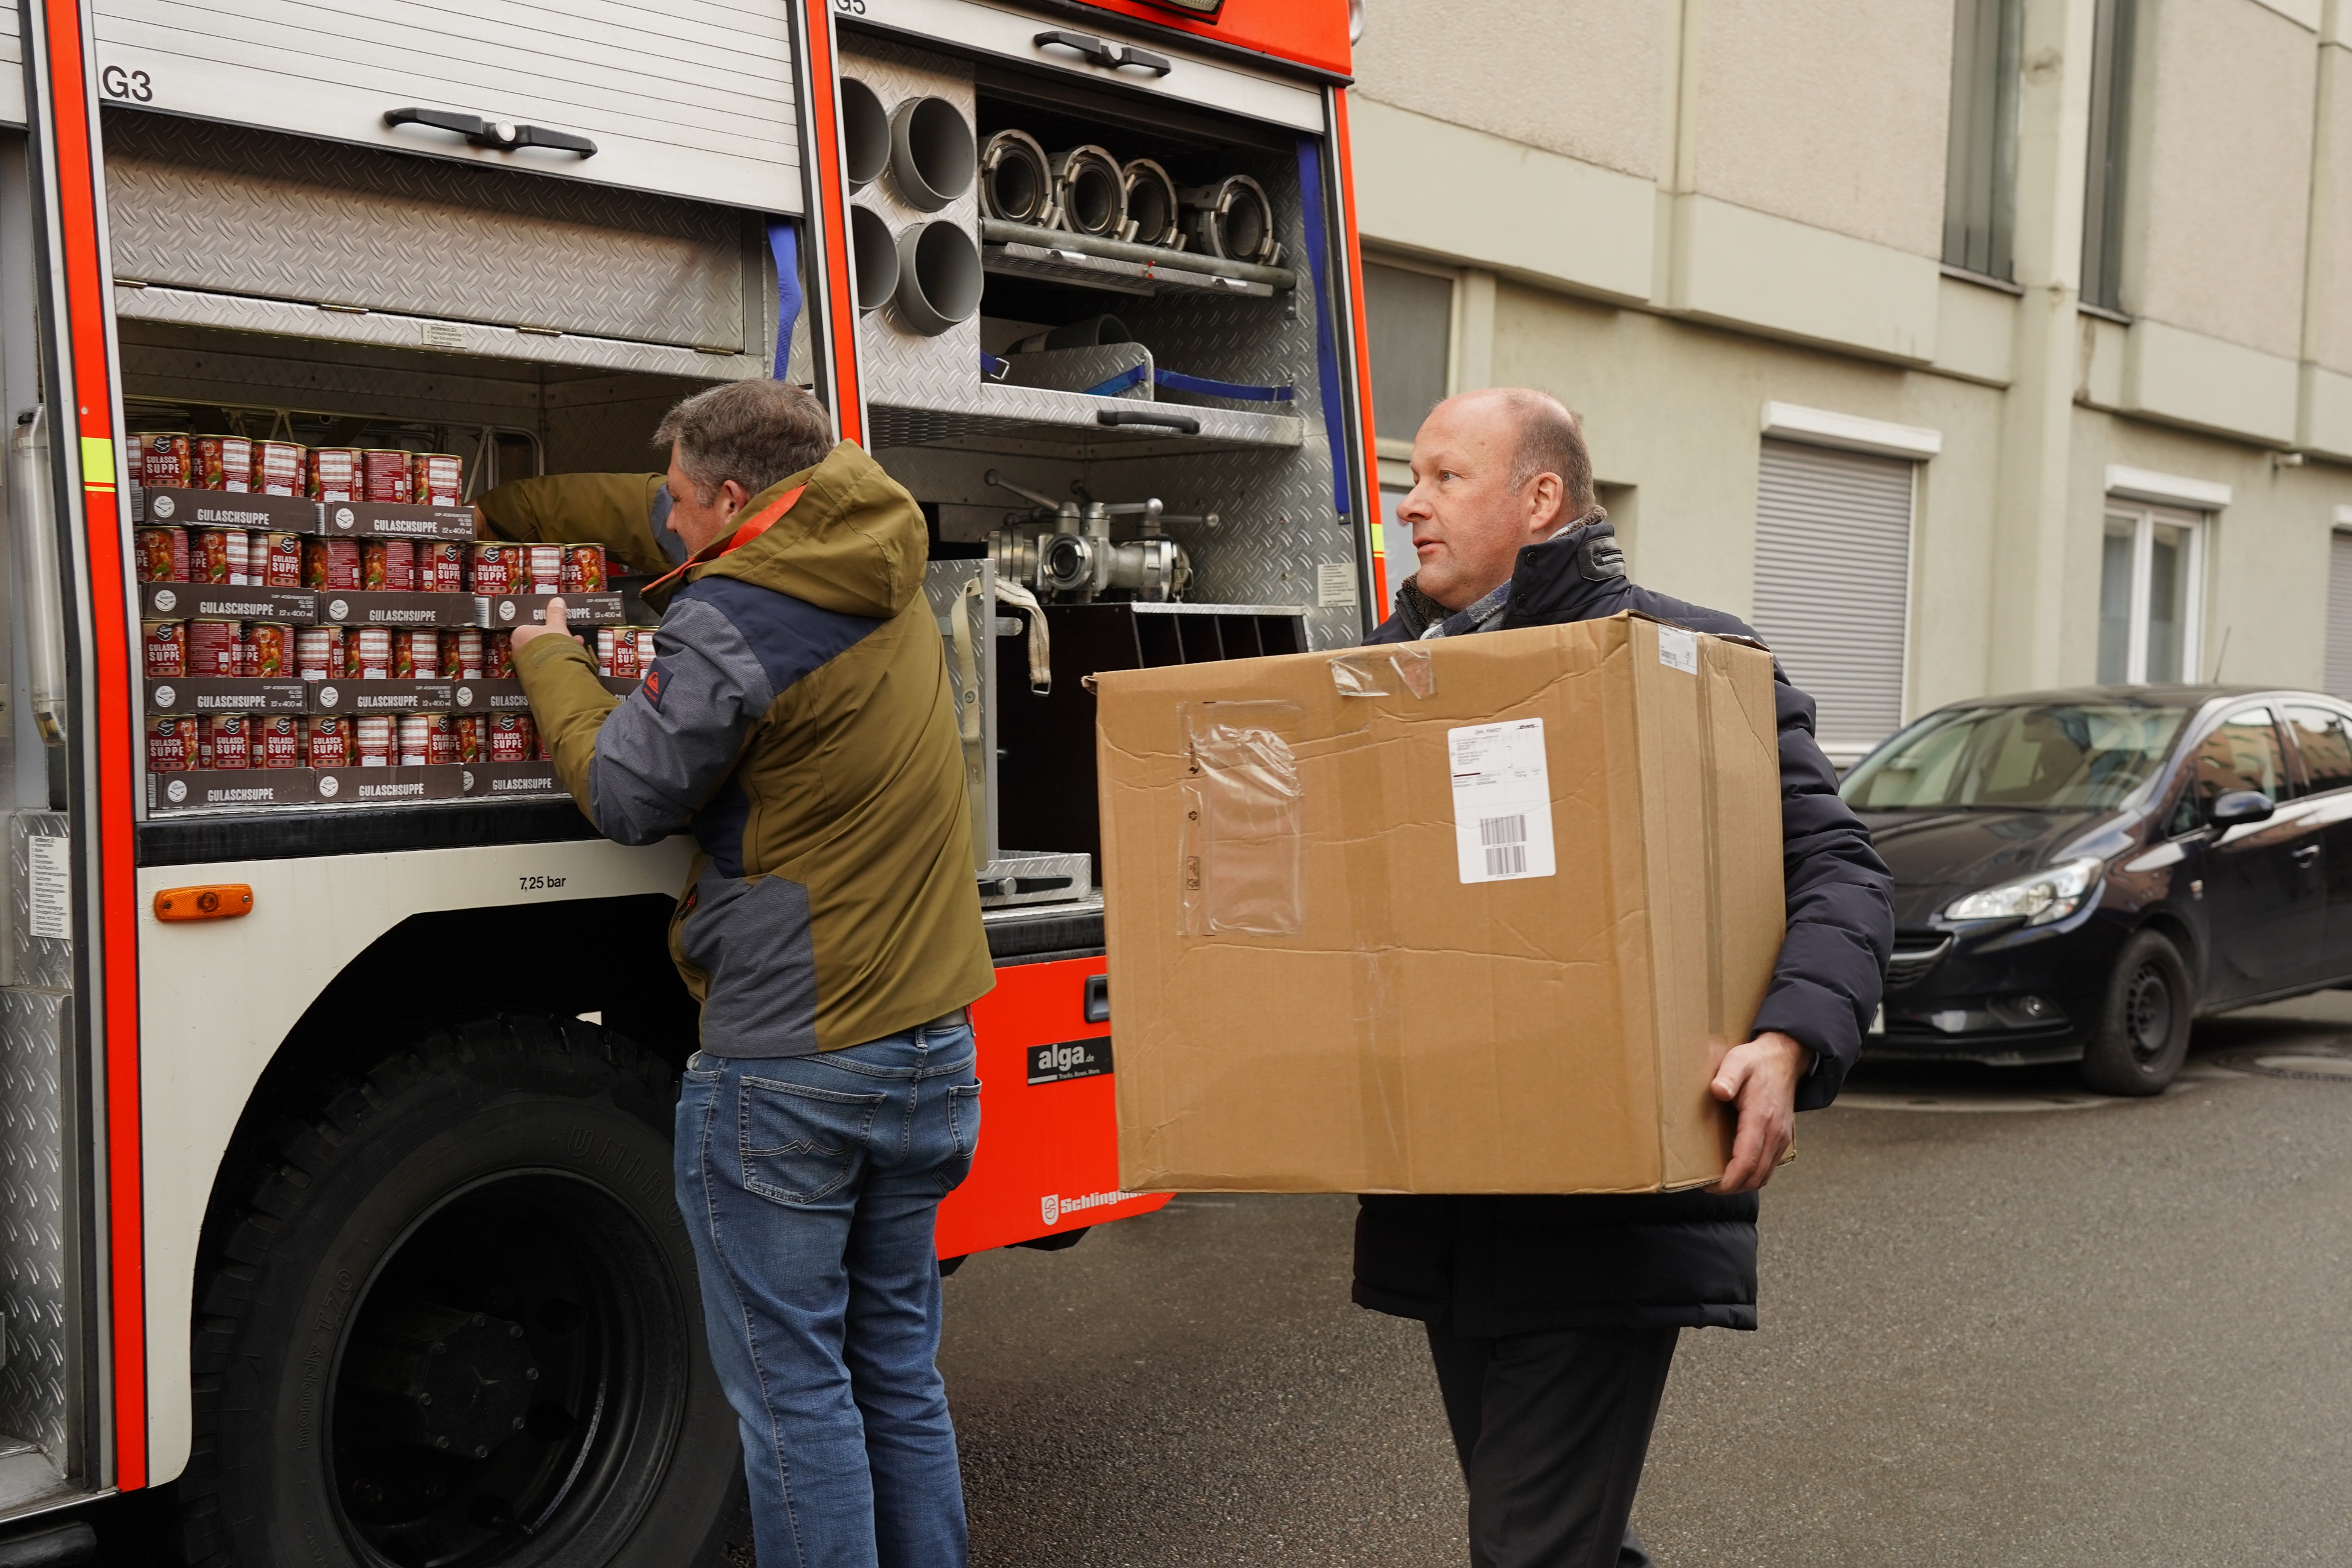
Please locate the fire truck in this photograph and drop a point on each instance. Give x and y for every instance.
(335, 1097)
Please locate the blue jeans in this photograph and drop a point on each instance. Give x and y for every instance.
(809, 1186)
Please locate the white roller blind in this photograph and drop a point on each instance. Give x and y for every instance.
(2339, 613)
(1833, 583)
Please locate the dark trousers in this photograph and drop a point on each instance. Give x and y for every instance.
(1552, 1429)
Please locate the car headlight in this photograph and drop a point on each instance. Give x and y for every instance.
(2051, 894)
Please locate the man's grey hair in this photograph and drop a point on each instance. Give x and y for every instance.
(753, 432)
(1552, 441)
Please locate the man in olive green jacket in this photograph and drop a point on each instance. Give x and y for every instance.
(798, 719)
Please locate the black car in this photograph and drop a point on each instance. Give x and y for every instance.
(2079, 873)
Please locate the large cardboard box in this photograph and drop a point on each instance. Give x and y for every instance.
(1478, 915)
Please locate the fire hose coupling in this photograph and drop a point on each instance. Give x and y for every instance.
(1016, 181)
(494, 135)
(1233, 219)
(1063, 549)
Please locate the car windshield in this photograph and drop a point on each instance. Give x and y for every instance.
(2056, 756)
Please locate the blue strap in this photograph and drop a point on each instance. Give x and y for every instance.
(1131, 376)
(784, 243)
(1327, 358)
(1176, 381)
(992, 367)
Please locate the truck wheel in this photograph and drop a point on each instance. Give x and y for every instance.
(2142, 1037)
(455, 1324)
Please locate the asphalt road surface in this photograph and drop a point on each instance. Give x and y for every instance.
(2004, 1323)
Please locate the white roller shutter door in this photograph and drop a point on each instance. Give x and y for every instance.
(1832, 584)
(2339, 613)
(688, 98)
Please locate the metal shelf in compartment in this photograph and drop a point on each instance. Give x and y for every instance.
(988, 416)
(1121, 266)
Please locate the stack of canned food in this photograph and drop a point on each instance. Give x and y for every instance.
(177, 742)
(173, 460)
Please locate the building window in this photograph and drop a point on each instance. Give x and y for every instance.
(1834, 583)
(2151, 574)
(2339, 613)
(1410, 317)
(1980, 159)
(2103, 184)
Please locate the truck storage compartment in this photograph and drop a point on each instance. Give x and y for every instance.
(328, 352)
(1107, 366)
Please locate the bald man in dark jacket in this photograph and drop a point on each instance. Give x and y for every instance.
(1553, 1320)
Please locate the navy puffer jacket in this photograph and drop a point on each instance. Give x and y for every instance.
(1492, 1266)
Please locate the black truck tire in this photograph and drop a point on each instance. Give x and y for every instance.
(2142, 1035)
(485, 1216)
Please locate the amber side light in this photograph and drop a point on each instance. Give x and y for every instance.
(220, 901)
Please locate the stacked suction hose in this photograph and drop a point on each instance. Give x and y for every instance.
(1154, 215)
(1233, 220)
(1016, 181)
(1091, 189)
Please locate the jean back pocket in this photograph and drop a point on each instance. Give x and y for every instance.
(798, 1144)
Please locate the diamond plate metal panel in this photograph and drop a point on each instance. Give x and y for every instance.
(44, 962)
(189, 308)
(226, 210)
(902, 367)
(34, 1306)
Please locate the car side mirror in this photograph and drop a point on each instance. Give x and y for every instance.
(2240, 805)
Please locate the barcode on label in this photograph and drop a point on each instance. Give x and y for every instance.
(1505, 840)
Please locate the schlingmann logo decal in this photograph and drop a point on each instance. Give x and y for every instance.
(1053, 1208)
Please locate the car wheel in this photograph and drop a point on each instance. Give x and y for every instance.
(2143, 1033)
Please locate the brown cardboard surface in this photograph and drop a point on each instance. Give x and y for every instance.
(1391, 1027)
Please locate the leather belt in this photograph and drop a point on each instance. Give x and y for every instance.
(956, 1019)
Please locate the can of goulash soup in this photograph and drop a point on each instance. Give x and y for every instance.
(440, 479)
(542, 567)
(412, 740)
(388, 565)
(166, 643)
(318, 653)
(512, 738)
(330, 564)
(496, 567)
(223, 463)
(333, 473)
(172, 743)
(327, 740)
(386, 475)
(280, 562)
(374, 742)
(645, 650)
(469, 737)
(583, 569)
(279, 468)
(441, 566)
(616, 652)
(415, 653)
(367, 652)
(163, 554)
(277, 740)
(227, 740)
(208, 554)
(498, 655)
(271, 655)
(166, 460)
(461, 654)
(212, 647)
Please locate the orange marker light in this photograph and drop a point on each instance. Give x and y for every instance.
(220, 901)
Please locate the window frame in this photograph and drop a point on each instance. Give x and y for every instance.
(1395, 448)
(2185, 783)
(2145, 517)
(2303, 780)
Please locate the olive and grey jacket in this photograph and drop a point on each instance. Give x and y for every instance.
(797, 719)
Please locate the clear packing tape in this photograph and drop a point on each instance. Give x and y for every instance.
(1241, 867)
(1401, 670)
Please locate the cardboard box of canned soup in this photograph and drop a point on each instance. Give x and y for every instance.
(1475, 915)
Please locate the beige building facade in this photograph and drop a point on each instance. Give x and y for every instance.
(1965, 346)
